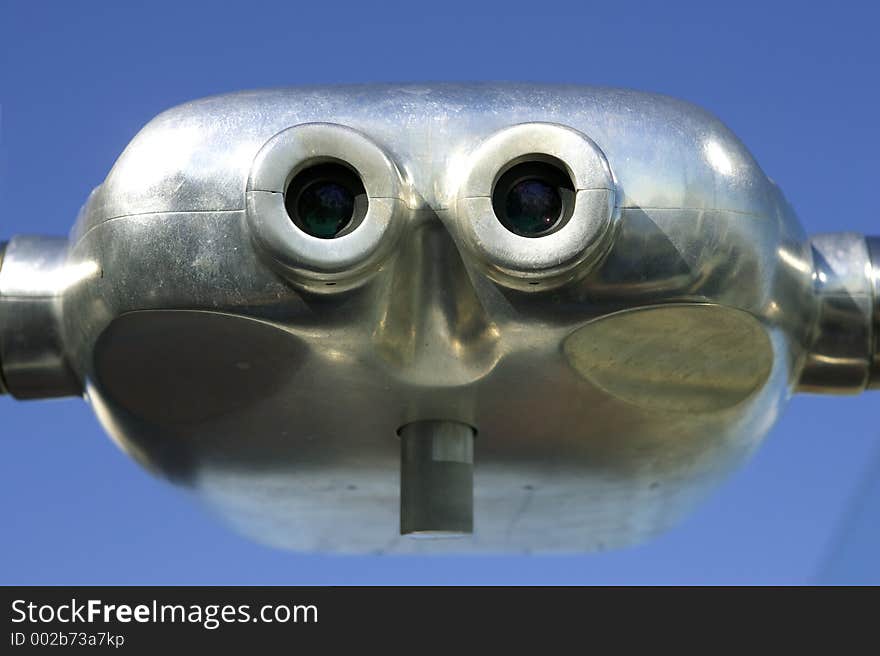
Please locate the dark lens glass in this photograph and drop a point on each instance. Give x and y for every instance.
(532, 207)
(325, 208)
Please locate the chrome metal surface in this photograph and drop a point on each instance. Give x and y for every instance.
(841, 356)
(33, 356)
(616, 367)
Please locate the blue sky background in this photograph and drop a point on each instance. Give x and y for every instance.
(798, 82)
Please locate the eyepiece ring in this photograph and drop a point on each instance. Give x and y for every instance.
(314, 250)
(573, 240)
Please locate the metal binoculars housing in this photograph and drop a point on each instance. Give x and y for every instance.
(537, 318)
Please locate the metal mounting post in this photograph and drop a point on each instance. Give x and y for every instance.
(436, 479)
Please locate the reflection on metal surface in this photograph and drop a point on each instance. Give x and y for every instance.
(679, 358)
(616, 365)
(840, 359)
(433, 330)
(718, 158)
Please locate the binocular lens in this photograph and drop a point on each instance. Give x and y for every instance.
(325, 208)
(324, 200)
(532, 207)
(532, 198)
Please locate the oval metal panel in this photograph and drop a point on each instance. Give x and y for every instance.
(681, 358)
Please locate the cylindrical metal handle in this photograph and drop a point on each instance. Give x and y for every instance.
(33, 277)
(842, 355)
